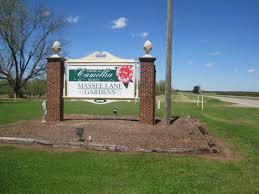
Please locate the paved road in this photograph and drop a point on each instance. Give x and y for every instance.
(238, 101)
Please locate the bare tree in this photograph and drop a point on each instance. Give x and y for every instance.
(25, 39)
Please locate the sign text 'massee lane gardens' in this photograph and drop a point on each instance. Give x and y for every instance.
(107, 81)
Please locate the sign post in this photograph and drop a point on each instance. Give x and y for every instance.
(147, 86)
(55, 76)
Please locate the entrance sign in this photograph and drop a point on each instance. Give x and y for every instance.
(101, 81)
(101, 76)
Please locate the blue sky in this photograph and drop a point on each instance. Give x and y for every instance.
(215, 42)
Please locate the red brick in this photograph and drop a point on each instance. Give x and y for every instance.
(147, 90)
(55, 81)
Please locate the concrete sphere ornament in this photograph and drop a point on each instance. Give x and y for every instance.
(56, 48)
(147, 48)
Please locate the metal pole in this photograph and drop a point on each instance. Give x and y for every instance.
(137, 76)
(198, 100)
(202, 103)
(158, 104)
(14, 98)
(168, 86)
(64, 82)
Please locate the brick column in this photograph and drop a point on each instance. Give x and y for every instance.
(147, 90)
(55, 81)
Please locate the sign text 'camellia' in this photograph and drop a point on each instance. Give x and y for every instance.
(101, 81)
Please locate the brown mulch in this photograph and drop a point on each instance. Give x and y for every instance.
(184, 132)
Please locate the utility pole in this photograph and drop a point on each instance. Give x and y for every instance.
(168, 86)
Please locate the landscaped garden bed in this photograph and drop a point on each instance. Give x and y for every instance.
(184, 135)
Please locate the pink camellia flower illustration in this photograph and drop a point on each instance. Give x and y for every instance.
(125, 74)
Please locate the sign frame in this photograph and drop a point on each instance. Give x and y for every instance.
(103, 59)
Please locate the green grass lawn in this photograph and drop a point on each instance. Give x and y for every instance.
(21, 110)
(38, 171)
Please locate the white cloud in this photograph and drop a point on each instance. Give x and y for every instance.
(119, 23)
(141, 35)
(46, 13)
(251, 70)
(144, 34)
(73, 19)
(215, 53)
(210, 64)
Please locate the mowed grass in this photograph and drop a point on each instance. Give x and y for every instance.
(26, 109)
(38, 171)
(21, 110)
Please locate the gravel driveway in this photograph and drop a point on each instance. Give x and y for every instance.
(238, 101)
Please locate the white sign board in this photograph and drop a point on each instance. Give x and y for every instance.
(100, 80)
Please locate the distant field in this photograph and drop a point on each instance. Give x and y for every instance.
(34, 171)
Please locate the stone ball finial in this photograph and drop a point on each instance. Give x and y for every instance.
(147, 48)
(56, 48)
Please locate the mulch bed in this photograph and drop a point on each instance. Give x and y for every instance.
(185, 134)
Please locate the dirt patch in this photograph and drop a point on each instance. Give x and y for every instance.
(225, 152)
(126, 132)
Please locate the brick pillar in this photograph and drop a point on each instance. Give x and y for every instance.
(147, 90)
(55, 81)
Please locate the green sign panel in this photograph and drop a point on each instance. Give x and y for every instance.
(102, 75)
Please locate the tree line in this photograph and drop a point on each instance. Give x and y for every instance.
(33, 88)
(38, 88)
(26, 35)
